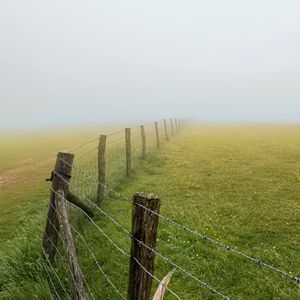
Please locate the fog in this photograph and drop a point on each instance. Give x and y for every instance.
(80, 62)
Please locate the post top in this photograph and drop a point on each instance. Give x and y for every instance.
(145, 195)
(65, 154)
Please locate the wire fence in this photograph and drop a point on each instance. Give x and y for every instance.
(103, 241)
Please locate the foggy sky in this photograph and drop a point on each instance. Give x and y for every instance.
(68, 62)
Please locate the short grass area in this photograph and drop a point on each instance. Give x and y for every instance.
(239, 184)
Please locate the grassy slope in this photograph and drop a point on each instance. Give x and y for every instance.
(239, 185)
(25, 161)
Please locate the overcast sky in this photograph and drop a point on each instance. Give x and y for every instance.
(70, 62)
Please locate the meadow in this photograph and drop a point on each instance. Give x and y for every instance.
(237, 183)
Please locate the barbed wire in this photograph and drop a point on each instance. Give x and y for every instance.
(46, 256)
(49, 278)
(86, 153)
(116, 246)
(116, 141)
(150, 129)
(59, 253)
(230, 248)
(103, 233)
(77, 158)
(115, 132)
(202, 282)
(135, 134)
(74, 148)
(81, 145)
(155, 278)
(98, 264)
(226, 247)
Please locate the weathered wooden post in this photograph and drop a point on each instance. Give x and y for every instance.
(60, 180)
(144, 232)
(166, 129)
(128, 150)
(77, 289)
(172, 128)
(143, 135)
(176, 126)
(101, 169)
(157, 135)
(179, 124)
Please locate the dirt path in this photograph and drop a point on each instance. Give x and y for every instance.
(27, 169)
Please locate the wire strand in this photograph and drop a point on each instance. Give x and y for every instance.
(59, 253)
(205, 284)
(187, 229)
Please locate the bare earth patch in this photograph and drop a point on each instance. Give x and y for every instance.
(5, 180)
(21, 173)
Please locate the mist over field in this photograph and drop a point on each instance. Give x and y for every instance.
(74, 62)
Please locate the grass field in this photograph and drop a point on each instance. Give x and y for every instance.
(239, 184)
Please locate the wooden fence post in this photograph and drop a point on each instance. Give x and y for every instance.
(172, 128)
(143, 142)
(166, 129)
(128, 151)
(176, 126)
(101, 168)
(77, 289)
(144, 231)
(157, 135)
(181, 124)
(60, 180)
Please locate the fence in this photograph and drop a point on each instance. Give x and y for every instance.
(88, 237)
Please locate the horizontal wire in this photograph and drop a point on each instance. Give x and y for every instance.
(154, 277)
(96, 138)
(82, 145)
(103, 233)
(115, 132)
(112, 242)
(56, 248)
(136, 134)
(49, 278)
(98, 264)
(203, 236)
(205, 284)
(151, 129)
(226, 247)
(121, 139)
(152, 250)
(107, 237)
(86, 153)
(94, 223)
(55, 272)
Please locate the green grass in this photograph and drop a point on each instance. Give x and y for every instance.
(239, 184)
(26, 160)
